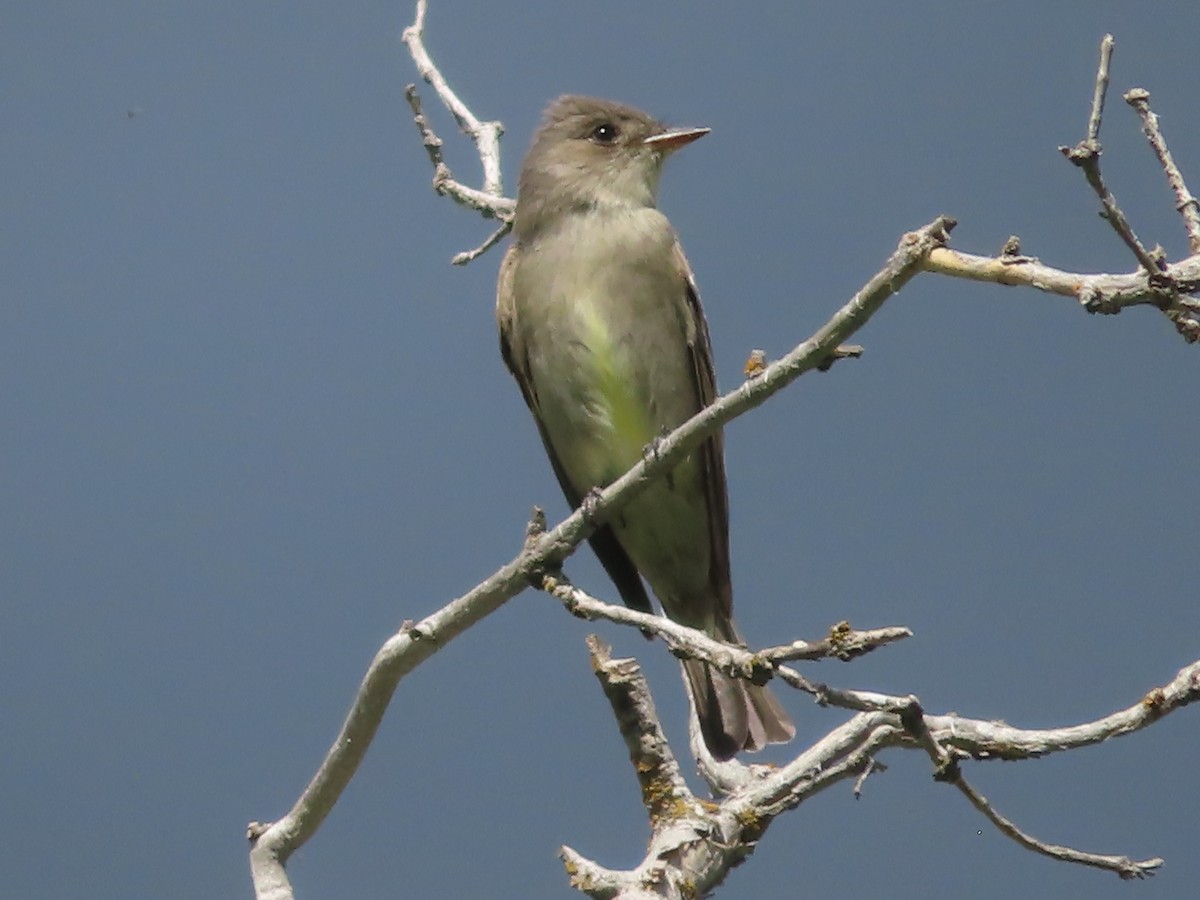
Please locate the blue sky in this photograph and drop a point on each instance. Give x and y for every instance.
(253, 421)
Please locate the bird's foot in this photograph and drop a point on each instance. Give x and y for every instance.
(652, 451)
(588, 504)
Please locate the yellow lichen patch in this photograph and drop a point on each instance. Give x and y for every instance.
(756, 364)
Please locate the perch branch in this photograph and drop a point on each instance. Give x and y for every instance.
(272, 844)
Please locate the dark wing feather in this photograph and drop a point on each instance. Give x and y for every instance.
(712, 451)
(612, 556)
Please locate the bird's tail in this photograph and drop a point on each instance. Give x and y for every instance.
(734, 714)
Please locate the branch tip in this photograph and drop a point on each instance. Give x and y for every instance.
(1185, 203)
(1093, 128)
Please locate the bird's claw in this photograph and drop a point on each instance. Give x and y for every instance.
(652, 450)
(588, 504)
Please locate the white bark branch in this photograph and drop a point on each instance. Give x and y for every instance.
(1185, 202)
(1086, 155)
(273, 844)
(486, 135)
(696, 843)
(1096, 292)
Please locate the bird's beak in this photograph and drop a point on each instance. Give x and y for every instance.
(670, 141)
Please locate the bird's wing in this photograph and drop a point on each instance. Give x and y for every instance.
(612, 556)
(712, 451)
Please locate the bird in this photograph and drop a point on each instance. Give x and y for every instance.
(601, 326)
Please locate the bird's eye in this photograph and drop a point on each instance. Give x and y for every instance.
(605, 133)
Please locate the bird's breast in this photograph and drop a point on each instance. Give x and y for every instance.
(600, 308)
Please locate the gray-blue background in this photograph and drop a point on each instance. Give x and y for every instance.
(252, 420)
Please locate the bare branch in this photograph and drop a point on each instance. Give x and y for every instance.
(444, 182)
(267, 865)
(461, 259)
(842, 642)
(873, 766)
(404, 651)
(1185, 202)
(1097, 293)
(486, 135)
(756, 362)
(977, 739)
(845, 752)
(489, 200)
(999, 740)
(696, 849)
(413, 644)
(1086, 155)
(665, 794)
(1101, 89)
(701, 844)
(1087, 158)
(694, 845)
(1122, 865)
(701, 852)
(912, 717)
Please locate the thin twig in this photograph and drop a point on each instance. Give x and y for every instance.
(873, 765)
(444, 182)
(842, 642)
(486, 135)
(1096, 293)
(685, 642)
(489, 201)
(1185, 202)
(706, 840)
(461, 259)
(1088, 159)
(1122, 865)
(1101, 89)
(948, 770)
(968, 737)
(1086, 155)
